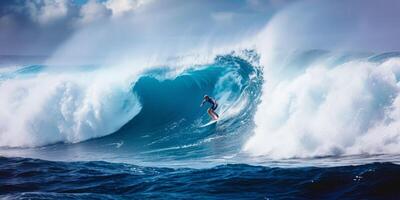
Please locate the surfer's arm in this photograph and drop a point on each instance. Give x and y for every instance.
(202, 103)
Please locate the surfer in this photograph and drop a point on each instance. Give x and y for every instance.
(211, 110)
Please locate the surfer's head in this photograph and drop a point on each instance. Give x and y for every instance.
(206, 97)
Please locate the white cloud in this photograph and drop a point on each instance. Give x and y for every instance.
(120, 7)
(93, 11)
(47, 11)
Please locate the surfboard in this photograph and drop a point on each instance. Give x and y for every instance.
(210, 123)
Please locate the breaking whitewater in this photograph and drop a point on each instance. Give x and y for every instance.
(320, 123)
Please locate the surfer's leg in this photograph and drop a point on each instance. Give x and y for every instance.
(215, 114)
(211, 113)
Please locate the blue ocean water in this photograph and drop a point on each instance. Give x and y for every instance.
(157, 148)
(38, 179)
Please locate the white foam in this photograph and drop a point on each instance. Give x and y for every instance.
(351, 108)
(324, 108)
(64, 107)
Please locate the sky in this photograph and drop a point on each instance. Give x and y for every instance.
(40, 27)
(94, 28)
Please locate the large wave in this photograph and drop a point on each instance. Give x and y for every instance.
(337, 102)
(46, 105)
(320, 103)
(42, 106)
(313, 102)
(329, 104)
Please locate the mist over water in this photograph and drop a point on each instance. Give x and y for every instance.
(328, 103)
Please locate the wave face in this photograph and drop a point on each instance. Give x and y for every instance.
(38, 179)
(170, 122)
(328, 114)
(313, 104)
(318, 103)
(151, 111)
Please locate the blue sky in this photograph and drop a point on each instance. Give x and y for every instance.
(39, 27)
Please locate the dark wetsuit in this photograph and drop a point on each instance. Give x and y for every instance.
(214, 104)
